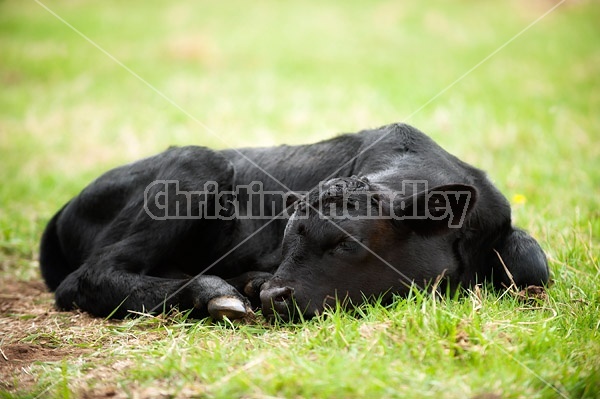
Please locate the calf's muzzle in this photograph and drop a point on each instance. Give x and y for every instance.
(277, 301)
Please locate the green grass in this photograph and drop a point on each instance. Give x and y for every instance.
(272, 72)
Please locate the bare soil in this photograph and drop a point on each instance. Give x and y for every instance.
(32, 331)
(34, 335)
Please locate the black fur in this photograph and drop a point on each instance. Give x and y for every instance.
(103, 253)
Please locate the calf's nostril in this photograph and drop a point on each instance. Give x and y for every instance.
(278, 302)
(281, 294)
(278, 295)
(281, 298)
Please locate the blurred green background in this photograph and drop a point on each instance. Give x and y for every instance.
(270, 72)
(238, 73)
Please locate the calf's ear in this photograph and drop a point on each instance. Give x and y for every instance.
(436, 210)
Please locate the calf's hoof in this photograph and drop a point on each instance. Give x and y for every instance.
(226, 306)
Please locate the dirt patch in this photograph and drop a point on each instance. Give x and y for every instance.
(35, 336)
(32, 331)
(532, 294)
(16, 361)
(23, 297)
(25, 354)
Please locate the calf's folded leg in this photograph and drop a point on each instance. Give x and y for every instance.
(117, 292)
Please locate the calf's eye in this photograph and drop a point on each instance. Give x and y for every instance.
(347, 246)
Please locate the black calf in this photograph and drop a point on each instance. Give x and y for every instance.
(187, 229)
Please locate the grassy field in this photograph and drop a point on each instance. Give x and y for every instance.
(237, 73)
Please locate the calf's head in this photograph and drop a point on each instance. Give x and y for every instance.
(349, 240)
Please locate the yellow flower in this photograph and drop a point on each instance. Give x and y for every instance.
(519, 199)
